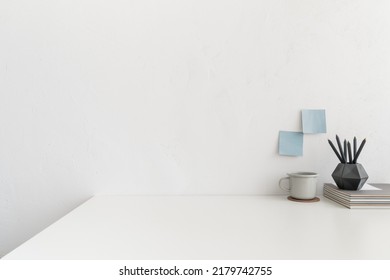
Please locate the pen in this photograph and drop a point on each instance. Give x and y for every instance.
(359, 151)
(350, 153)
(354, 147)
(345, 151)
(340, 148)
(335, 150)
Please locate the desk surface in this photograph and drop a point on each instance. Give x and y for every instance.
(211, 227)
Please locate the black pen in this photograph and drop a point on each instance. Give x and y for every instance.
(335, 150)
(340, 148)
(350, 153)
(345, 151)
(354, 147)
(359, 151)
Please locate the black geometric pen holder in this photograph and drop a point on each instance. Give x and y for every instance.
(350, 176)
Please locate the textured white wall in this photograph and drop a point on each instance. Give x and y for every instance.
(179, 97)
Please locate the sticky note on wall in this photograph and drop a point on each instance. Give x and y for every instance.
(313, 121)
(290, 143)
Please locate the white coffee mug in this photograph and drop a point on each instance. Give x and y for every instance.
(302, 185)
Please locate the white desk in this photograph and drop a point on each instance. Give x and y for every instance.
(211, 227)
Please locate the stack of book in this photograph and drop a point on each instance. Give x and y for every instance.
(369, 196)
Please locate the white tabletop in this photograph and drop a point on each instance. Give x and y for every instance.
(211, 227)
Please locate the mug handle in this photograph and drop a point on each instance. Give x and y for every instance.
(280, 184)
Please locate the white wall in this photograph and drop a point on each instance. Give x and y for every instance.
(179, 97)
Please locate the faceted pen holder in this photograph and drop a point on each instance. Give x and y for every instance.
(350, 176)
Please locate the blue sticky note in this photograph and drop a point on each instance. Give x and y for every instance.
(290, 143)
(313, 121)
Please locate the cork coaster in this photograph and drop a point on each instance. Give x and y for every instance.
(316, 199)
